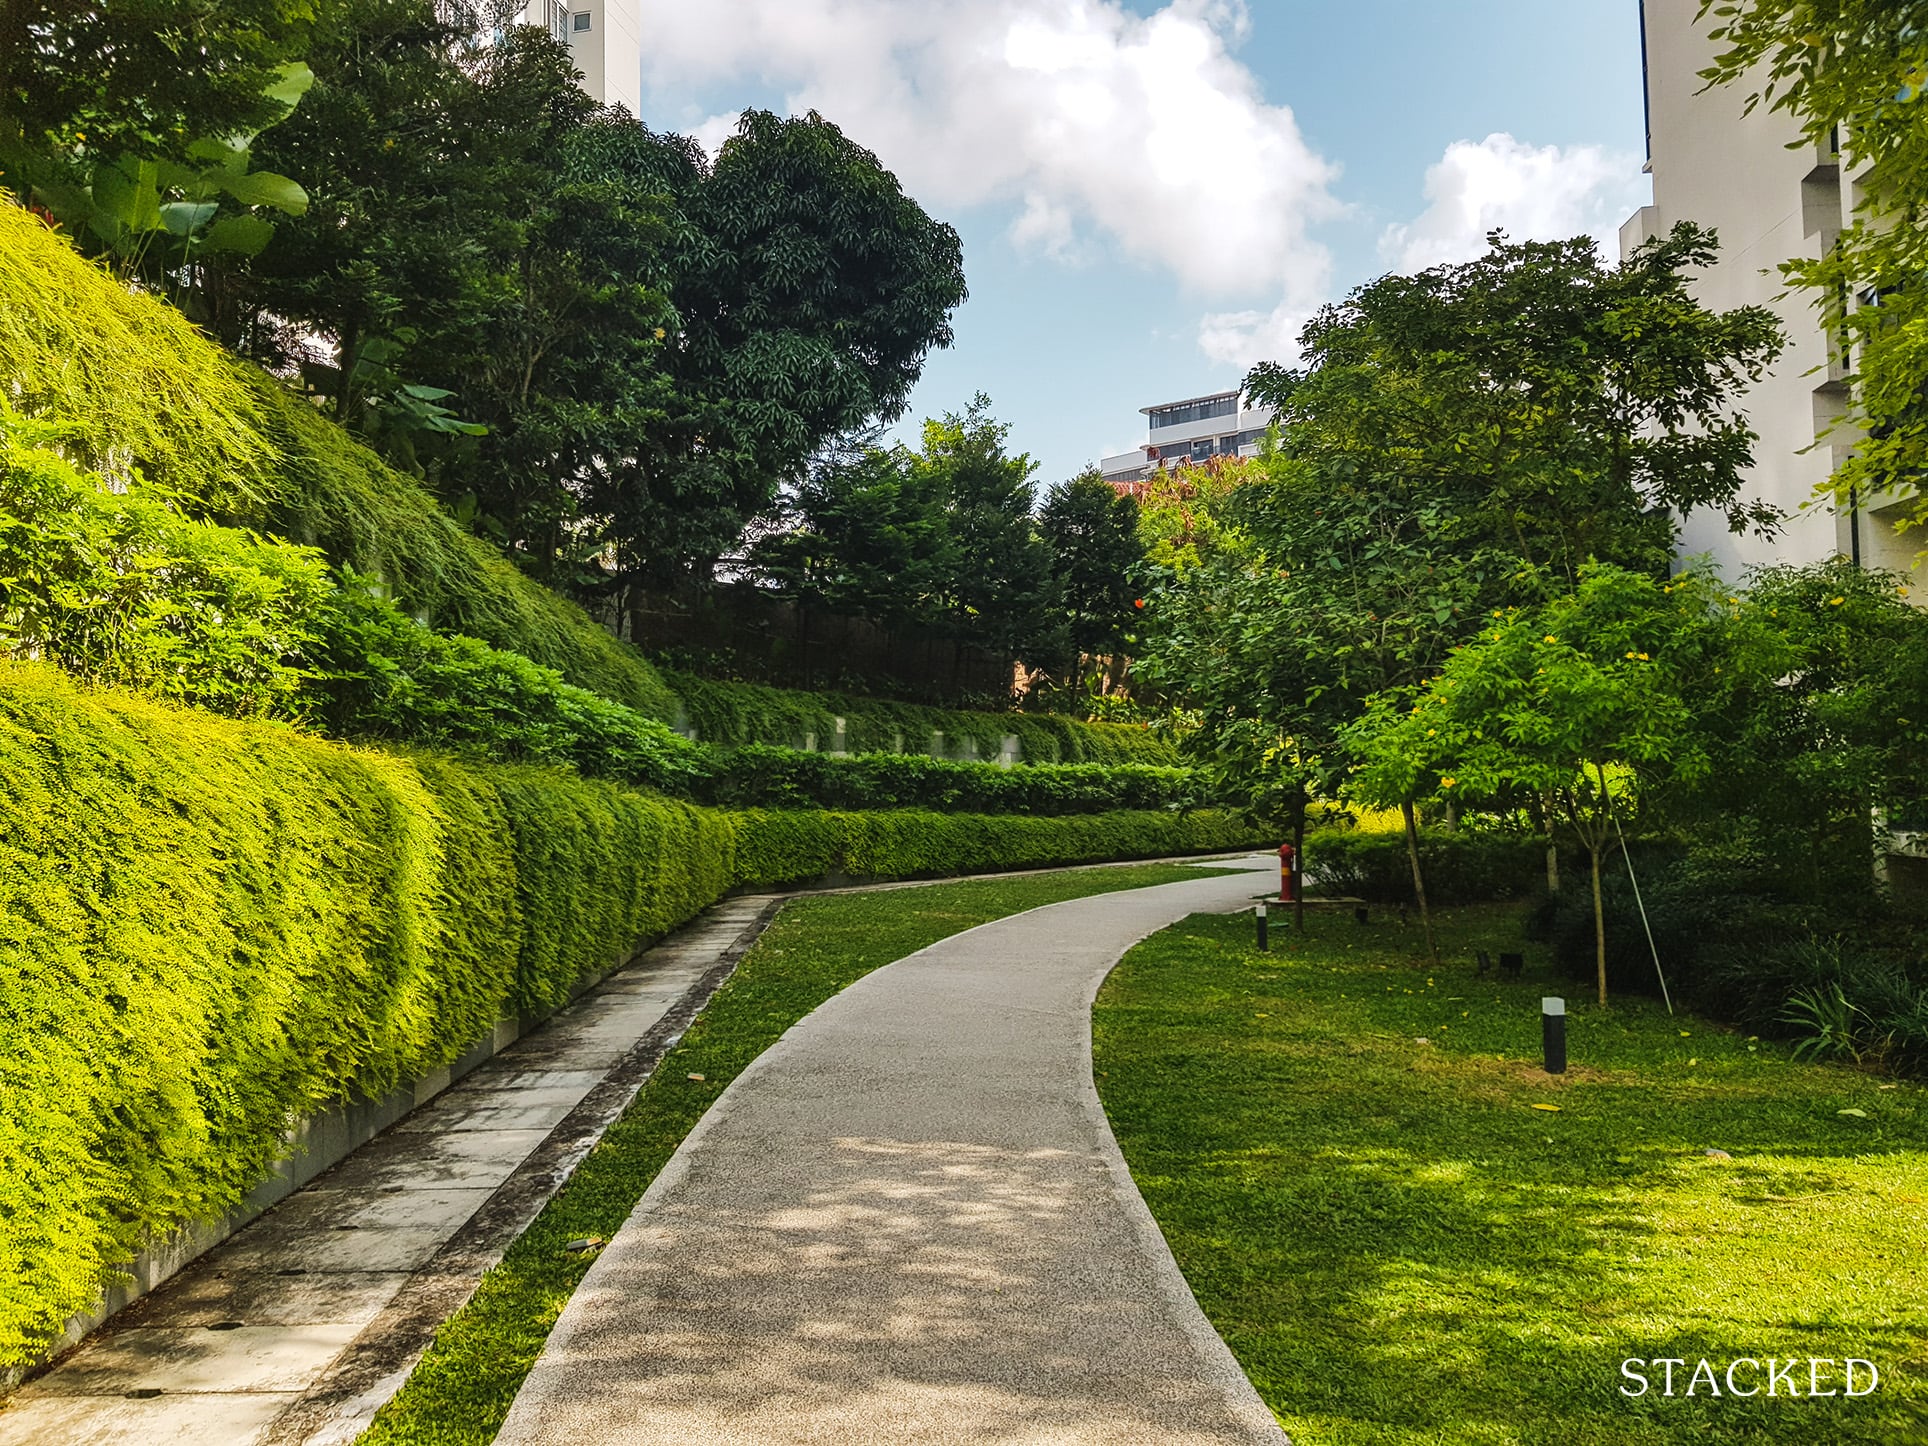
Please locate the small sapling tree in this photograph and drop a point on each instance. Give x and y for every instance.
(1579, 699)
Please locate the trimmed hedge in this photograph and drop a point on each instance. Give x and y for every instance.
(758, 776)
(732, 715)
(1460, 868)
(211, 929)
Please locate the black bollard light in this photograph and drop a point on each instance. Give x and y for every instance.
(1263, 944)
(1553, 1034)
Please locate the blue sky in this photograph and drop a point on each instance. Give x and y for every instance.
(1151, 196)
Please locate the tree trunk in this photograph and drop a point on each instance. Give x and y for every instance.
(1552, 849)
(1419, 879)
(1599, 928)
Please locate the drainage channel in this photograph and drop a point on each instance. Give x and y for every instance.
(295, 1330)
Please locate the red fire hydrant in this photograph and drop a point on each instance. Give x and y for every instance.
(1288, 874)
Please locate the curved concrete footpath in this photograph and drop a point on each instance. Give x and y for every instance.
(908, 1222)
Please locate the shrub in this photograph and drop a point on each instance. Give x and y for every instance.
(735, 714)
(148, 391)
(1466, 866)
(121, 588)
(759, 776)
(389, 678)
(229, 443)
(329, 491)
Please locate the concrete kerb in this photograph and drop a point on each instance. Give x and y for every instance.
(377, 1362)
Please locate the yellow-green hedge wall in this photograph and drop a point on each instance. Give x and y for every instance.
(210, 929)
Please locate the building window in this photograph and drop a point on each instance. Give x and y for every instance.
(1193, 412)
(580, 20)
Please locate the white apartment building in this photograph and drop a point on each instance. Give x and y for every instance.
(1768, 203)
(1196, 429)
(604, 36)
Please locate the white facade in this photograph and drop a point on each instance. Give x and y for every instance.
(605, 38)
(1196, 429)
(1768, 204)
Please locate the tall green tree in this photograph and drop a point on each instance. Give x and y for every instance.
(809, 289)
(1462, 440)
(1096, 558)
(862, 534)
(996, 591)
(1566, 408)
(1851, 74)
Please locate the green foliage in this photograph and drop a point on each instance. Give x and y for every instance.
(143, 153)
(943, 538)
(358, 918)
(863, 532)
(351, 925)
(121, 588)
(1851, 75)
(1463, 439)
(733, 714)
(145, 393)
(386, 677)
(1463, 867)
(651, 338)
(1572, 701)
(333, 493)
(996, 587)
(764, 777)
(144, 390)
(1096, 556)
(93, 79)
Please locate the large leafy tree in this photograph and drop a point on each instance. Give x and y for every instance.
(131, 126)
(1461, 440)
(1565, 408)
(808, 291)
(1851, 74)
(862, 533)
(996, 589)
(647, 341)
(1096, 557)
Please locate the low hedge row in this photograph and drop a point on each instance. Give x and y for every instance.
(212, 928)
(758, 776)
(732, 715)
(1460, 868)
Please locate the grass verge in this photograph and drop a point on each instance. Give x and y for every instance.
(1407, 1232)
(463, 1386)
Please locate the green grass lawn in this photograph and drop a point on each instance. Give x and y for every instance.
(1343, 1149)
(464, 1385)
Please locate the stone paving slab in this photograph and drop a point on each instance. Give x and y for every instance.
(238, 1348)
(908, 1222)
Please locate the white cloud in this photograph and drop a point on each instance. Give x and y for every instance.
(1533, 193)
(1539, 193)
(1240, 338)
(1144, 132)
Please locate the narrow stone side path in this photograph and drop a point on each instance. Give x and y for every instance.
(298, 1327)
(908, 1221)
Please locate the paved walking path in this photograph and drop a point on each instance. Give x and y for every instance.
(908, 1222)
(301, 1324)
